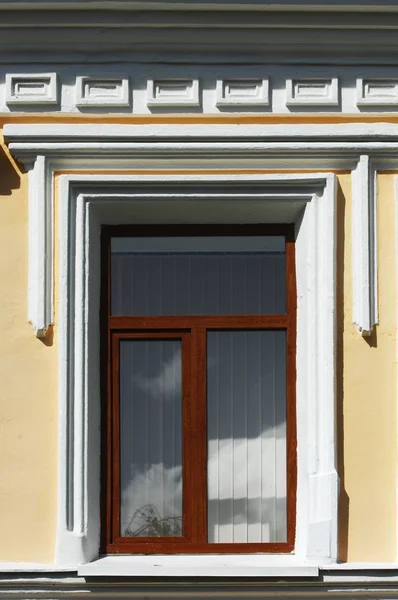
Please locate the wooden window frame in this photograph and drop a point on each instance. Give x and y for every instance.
(192, 331)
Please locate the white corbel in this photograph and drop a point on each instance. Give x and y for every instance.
(364, 246)
(40, 248)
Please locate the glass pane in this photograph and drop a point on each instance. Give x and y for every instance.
(246, 396)
(198, 275)
(150, 438)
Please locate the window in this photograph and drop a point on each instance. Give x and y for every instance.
(199, 427)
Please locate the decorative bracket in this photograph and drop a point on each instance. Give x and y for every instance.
(364, 246)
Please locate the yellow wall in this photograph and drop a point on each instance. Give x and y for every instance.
(366, 398)
(28, 395)
(367, 401)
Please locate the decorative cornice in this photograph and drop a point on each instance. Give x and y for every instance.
(138, 89)
(344, 146)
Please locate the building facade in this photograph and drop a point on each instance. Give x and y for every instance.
(198, 299)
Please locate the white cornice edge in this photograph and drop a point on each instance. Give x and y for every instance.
(364, 246)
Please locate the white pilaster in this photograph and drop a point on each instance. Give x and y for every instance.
(364, 246)
(40, 247)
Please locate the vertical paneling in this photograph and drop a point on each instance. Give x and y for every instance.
(246, 397)
(203, 284)
(150, 438)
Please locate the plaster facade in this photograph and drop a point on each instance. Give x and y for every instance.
(29, 406)
(287, 98)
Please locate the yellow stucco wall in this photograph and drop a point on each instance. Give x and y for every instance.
(366, 399)
(28, 395)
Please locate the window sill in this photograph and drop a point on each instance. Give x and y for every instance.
(198, 566)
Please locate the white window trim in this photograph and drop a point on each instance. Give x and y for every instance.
(80, 218)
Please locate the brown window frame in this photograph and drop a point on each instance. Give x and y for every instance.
(192, 332)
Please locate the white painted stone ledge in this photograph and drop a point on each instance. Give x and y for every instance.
(197, 566)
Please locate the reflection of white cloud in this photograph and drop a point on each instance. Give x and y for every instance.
(246, 489)
(166, 383)
(248, 468)
(158, 486)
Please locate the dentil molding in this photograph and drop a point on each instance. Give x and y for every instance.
(131, 88)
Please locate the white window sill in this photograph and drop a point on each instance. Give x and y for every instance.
(198, 566)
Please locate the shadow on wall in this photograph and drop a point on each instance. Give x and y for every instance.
(10, 174)
(344, 500)
(48, 339)
(371, 339)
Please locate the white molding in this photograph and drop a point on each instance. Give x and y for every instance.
(102, 91)
(40, 292)
(115, 85)
(31, 88)
(334, 136)
(316, 346)
(109, 86)
(311, 91)
(176, 91)
(127, 146)
(80, 218)
(248, 92)
(380, 91)
(364, 246)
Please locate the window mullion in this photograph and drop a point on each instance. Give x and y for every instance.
(195, 442)
(115, 437)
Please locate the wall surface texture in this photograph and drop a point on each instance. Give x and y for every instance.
(28, 394)
(367, 418)
(366, 398)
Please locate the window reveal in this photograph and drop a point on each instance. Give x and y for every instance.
(200, 406)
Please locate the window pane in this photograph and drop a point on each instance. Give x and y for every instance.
(246, 396)
(150, 438)
(198, 276)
